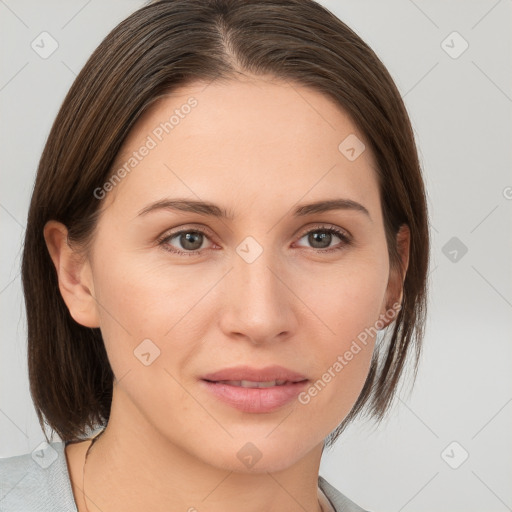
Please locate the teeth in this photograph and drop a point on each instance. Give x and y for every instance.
(253, 384)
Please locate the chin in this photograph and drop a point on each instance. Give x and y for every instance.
(263, 455)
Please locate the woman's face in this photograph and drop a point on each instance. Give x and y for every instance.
(181, 293)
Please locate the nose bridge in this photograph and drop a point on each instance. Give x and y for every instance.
(255, 273)
(258, 300)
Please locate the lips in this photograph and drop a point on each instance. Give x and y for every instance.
(268, 374)
(255, 390)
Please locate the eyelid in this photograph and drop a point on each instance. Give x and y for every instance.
(327, 226)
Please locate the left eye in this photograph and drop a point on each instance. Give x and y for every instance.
(320, 238)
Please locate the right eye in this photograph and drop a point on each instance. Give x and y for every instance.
(187, 242)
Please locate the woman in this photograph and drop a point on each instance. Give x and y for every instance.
(228, 213)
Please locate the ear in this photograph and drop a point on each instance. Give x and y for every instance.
(394, 292)
(74, 275)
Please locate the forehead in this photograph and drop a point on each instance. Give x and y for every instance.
(243, 140)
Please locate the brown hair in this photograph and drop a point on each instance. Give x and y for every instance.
(171, 43)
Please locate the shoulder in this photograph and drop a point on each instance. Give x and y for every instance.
(340, 502)
(37, 481)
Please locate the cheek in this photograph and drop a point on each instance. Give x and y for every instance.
(137, 303)
(144, 299)
(349, 298)
(141, 312)
(349, 305)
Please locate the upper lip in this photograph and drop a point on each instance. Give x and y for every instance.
(266, 374)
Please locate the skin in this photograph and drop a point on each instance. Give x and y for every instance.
(257, 147)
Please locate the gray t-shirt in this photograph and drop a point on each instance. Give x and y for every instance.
(40, 482)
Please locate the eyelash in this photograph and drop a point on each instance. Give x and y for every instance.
(346, 240)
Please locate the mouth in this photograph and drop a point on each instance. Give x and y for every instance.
(255, 390)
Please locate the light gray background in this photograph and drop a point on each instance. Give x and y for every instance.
(460, 109)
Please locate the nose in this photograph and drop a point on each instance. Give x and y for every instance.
(259, 307)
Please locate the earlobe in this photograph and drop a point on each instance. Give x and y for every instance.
(74, 276)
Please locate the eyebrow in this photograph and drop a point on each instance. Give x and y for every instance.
(211, 209)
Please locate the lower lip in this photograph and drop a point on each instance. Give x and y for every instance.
(256, 400)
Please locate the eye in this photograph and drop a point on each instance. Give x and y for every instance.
(189, 241)
(321, 237)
